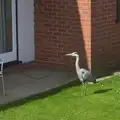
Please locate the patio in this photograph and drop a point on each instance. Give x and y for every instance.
(28, 79)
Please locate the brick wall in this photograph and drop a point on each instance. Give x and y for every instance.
(105, 37)
(63, 26)
(85, 26)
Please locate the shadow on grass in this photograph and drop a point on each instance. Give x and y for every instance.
(38, 96)
(103, 91)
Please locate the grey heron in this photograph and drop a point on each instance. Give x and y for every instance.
(83, 74)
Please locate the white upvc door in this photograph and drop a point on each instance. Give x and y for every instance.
(8, 46)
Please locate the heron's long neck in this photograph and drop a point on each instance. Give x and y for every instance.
(77, 63)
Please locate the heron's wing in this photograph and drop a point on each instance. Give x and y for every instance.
(87, 76)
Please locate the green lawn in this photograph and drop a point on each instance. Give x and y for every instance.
(101, 103)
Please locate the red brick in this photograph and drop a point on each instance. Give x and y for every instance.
(105, 36)
(62, 27)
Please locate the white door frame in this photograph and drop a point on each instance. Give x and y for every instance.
(12, 56)
(25, 24)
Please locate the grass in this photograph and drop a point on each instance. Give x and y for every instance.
(68, 104)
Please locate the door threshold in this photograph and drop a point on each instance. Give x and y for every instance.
(8, 64)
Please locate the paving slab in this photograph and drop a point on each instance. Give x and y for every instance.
(24, 83)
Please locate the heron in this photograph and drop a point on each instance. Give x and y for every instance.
(84, 75)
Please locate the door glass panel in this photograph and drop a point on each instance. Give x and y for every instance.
(5, 26)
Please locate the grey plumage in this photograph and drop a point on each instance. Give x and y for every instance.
(83, 74)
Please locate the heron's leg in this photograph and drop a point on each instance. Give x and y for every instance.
(85, 88)
(82, 88)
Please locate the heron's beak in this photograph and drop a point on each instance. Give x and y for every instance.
(70, 54)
